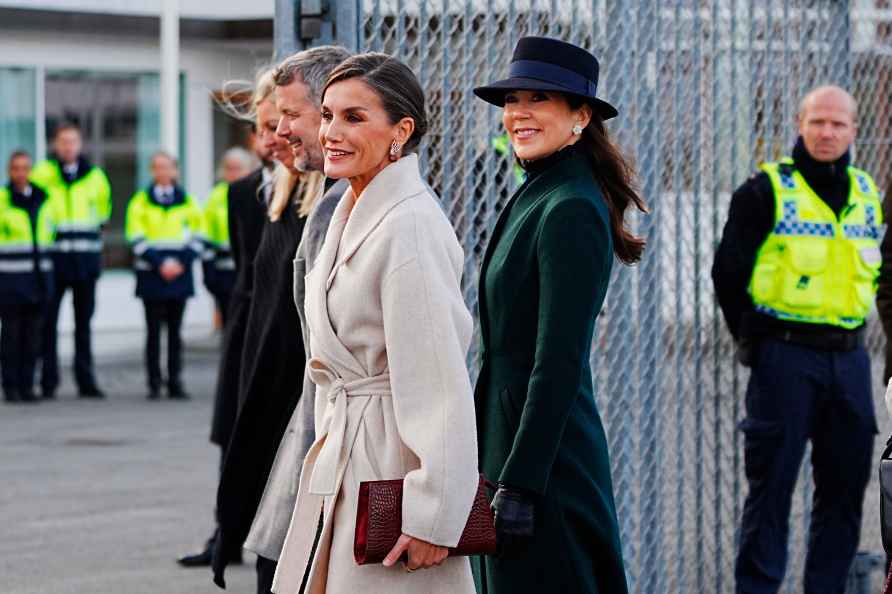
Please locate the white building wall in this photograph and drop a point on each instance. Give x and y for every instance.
(204, 9)
(206, 66)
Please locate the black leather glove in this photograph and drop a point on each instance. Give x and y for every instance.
(220, 560)
(514, 511)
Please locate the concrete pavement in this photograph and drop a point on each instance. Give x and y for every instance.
(100, 497)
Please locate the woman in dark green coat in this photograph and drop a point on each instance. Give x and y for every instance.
(542, 284)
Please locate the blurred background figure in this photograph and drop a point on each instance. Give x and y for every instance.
(27, 226)
(164, 226)
(218, 265)
(85, 195)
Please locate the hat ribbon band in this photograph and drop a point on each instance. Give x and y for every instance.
(576, 83)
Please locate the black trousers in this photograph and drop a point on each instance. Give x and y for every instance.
(798, 394)
(84, 296)
(266, 570)
(169, 313)
(20, 346)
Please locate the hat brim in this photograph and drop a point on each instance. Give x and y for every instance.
(494, 93)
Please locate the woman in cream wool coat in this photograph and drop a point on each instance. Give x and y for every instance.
(389, 333)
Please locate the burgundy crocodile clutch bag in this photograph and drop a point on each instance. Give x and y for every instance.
(379, 522)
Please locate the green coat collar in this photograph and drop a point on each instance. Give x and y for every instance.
(564, 172)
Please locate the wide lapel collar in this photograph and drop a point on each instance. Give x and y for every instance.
(393, 184)
(326, 344)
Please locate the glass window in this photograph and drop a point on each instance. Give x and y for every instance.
(18, 112)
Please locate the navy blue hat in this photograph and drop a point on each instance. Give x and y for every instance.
(545, 64)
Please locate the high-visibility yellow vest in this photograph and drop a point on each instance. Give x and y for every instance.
(178, 226)
(85, 205)
(27, 229)
(814, 267)
(20, 236)
(159, 232)
(216, 227)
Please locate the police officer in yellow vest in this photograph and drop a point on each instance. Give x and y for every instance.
(85, 195)
(165, 229)
(218, 265)
(795, 275)
(27, 226)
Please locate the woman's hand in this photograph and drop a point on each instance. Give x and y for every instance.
(515, 518)
(421, 554)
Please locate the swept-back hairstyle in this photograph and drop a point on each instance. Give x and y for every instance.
(616, 178)
(312, 68)
(394, 83)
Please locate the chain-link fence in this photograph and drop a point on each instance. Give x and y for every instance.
(706, 90)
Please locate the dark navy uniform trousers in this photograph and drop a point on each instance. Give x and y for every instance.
(797, 394)
(84, 300)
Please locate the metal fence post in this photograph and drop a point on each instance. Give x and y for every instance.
(651, 571)
(622, 356)
(285, 28)
(346, 14)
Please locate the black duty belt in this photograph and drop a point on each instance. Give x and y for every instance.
(825, 341)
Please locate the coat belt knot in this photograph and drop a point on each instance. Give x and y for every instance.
(332, 457)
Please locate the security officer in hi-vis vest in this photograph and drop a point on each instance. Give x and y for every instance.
(218, 265)
(795, 275)
(85, 195)
(28, 222)
(165, 229)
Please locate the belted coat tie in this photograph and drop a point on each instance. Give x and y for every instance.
(389, 333)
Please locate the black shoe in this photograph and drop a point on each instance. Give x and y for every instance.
(205, 557)
(202, 559)
(177, 393)
(92, 392)
(48, 394)
(29, 397)
(11, 395)
(154, 394)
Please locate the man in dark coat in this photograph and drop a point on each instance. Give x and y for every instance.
(247, 212)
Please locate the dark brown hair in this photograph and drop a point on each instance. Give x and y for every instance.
(616, 178)
(19, 154)
(395, 84)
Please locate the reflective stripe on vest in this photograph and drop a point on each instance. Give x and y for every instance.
(813, 267)
(18, 233)
(14, 266)
(172, 228)
(216, 216)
